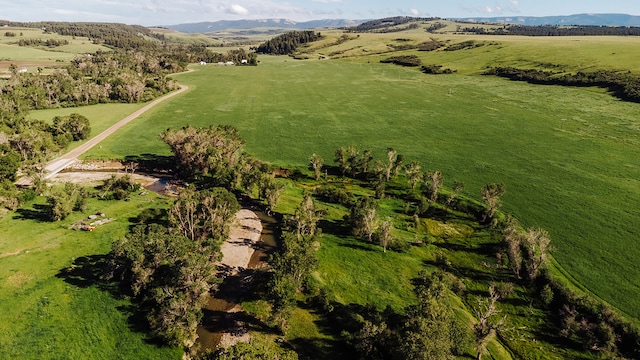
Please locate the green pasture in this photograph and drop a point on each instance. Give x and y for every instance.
(77, 45)
(182, 38)
(584, 53)
(17, 54)
(53, 304)
(568, 156)
(101, 116)
(34, 58)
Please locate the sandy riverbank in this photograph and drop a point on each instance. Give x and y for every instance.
(244, 234)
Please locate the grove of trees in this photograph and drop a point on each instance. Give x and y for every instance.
(624, 85)
(287, 43)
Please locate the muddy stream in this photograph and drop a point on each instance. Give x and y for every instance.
(223, 313)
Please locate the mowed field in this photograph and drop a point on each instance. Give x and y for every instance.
(568, 156)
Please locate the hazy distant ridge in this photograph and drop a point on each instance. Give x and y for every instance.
(577, 19)
(205, 27)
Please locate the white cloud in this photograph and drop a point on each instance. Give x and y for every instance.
(415, 12)
(327, 1)
(237, 10)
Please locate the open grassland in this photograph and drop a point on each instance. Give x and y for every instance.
(39, 57)
(584, 53)
(53, 304)
(101, 116)
(568, 156)
(182, 38)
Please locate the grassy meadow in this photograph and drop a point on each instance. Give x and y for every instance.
(568, 156)
(53, 307)
(34, 57)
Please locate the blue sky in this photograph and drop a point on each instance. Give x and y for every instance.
(169, 12)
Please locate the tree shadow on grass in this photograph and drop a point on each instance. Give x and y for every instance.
(337, 228)
(333, 324)
(39, 213)
(152, 163)
(317, 348)
(486, 249)
(93, 270)
(357, 246)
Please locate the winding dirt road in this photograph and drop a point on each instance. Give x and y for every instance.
(58, 164)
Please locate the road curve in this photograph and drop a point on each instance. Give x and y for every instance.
(58, 164)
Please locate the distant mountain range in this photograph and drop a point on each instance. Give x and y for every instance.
(578, 19)
(207, 27)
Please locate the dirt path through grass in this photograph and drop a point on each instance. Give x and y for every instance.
(58, 164)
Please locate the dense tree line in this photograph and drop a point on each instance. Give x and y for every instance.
(384, 25)
(215, 156)
(469, 44)
(40, 42)
(116, 35)
(435, 27)
(103, 77)
(553, 30)
(26, 142)
(287, 43)
(197, 53)
(622, 84)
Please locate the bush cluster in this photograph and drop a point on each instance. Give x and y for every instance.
(403, 60)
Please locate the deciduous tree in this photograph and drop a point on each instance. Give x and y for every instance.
(170, 275)
(384, 233)
(536, 242)
(435, 183)
(316, 163)
(414, 173)
(431, 330)
(491, 195)
(204, 216)
(457, 189)
(362, 218)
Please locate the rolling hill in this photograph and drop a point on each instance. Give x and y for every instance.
(577, 19)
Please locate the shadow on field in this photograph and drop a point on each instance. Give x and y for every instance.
(487, 249)
(337, 228)
(93, 270)
(333, 323)
(152, 162)
(38, 213)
